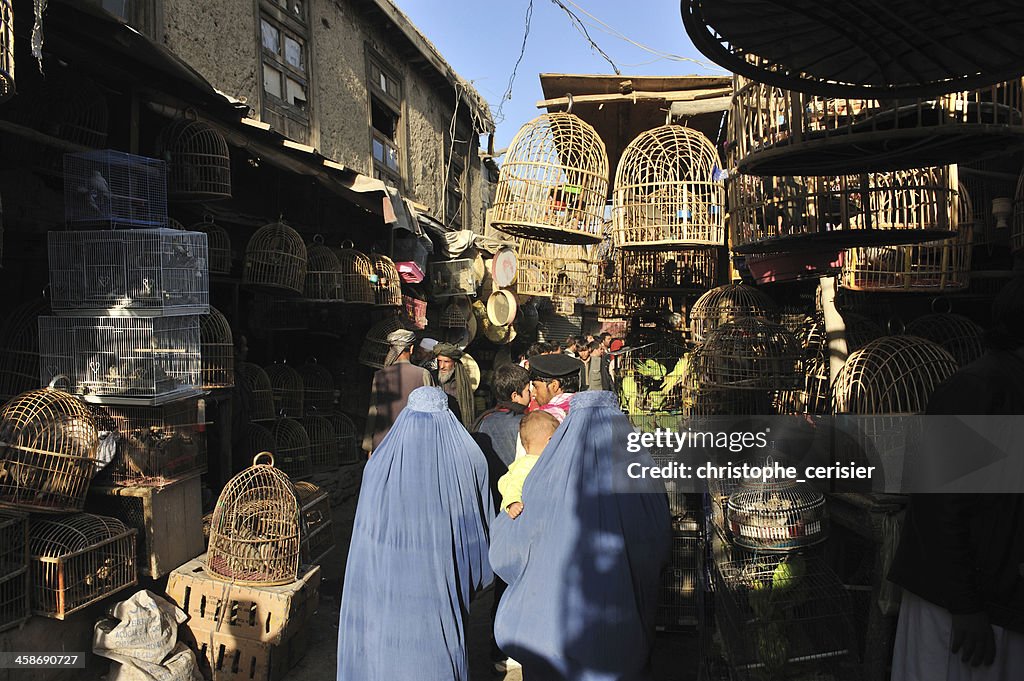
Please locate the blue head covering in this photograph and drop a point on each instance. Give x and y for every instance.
(418, 551)
(583, 560)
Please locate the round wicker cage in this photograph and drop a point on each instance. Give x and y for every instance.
(48, 451)
(749, 353)
(859, 331)
(375, 348)
(323, 274)
(257, 439)
(958, 335)
(257, 392)
(255, 532)
(19, 337)
(198, 161)
(218, 246)
(217, 347)
(668, 191)
(348, 442)
(722, 304)
(891, 375)
(318, 387)
(454, 316)
(671, 271)
(275, 257)
(553, 184)
(547, 270)
(291, 448)
(388, 292)
(357, 277)
(777, 516)
(323, 441)
(288, 389)
(6, 50)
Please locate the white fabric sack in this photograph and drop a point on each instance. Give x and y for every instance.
(144, 628)
(180, 666)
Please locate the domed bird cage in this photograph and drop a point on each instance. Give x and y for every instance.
(785, 132)
(19, 336)
(554, 270)
(668, 191)
(218, 246)
(323, 442)
(358, 280)
(256, 530)
(610, 302)
(317, 387)
(749, 353)
(48, 451)
(287, 387)
(958, 335)
(777, 515)
(553, 183)
(347, 439)
(198, 161)
(291, 448)
(78, 560)
(257, 394)
(275, 258)
(454, 316)
(323, 273)
(317, 535)
(725, 303)
(375, 348)
(692, 270)
(817, 394)
(388, 292)
(257, 438)
(217, 350)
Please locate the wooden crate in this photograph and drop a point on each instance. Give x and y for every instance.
(169, 519)
(223, 657)
(263, 614)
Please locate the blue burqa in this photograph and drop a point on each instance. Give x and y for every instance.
(418, 551)
(583, 560)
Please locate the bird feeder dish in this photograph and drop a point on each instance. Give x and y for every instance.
(287, 387)
(217, 349)
(108, 188)
(317, 387)
(725, 303)
(749, 353)
(348, 444)
(683, 270)
(276, 259)
(256, 391)
(958, 335)
(548, 270)
(777, 516)
(198, 161)
(218, 247)
(375, 347)
(323, 442)
(388, 292)
(358, 279)
(323, 274)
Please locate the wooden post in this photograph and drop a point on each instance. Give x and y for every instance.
(835, 328)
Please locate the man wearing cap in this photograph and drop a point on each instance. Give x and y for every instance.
(554, 379)
(423, 355)
(454, 380)
(391, 387)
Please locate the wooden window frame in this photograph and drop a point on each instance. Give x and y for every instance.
(287, 24)
(396, 105)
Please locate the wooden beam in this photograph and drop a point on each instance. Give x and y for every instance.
(638, 96)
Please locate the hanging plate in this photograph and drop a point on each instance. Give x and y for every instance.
(505, 267)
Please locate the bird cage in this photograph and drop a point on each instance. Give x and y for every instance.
(113, 189)
(671, 271)
(6, 50)
(725, 303)
(217, 350)
(749, 353)
(414, 311)
(323, 273)
(858, 331)
(375, 347)
(777, 515)
(700, 400)
(548, 270)
(78, 560)
(275, 258)
(389, 285)
(358, 280)
(218, 246)
(450, 278)
(318, 537)
(784, 132)
(454, 316)
(317, 387)
(348, 442)
(257, 438)
(255, 533)
(553, 184)
(609, 298)
(134, 272)
(649, 381)
(159, 444)
(198, 161)
(122, 356)
(891, 375)
(668, 191)
(257, 394)
(48, 453)
(19, 337)
(291, 448)
(14, 569)
(681, 580)
(287, 387)
(958, 335)
(323, 442)
(563, 305)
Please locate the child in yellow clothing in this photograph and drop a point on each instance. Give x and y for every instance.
(535, 430)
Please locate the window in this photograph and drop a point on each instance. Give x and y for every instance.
(385, 123)
(284, 47)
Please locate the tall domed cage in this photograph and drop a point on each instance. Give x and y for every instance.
(159, 444)
(375, 347)
(781, 515)
(389, 285)
(318, 389)
(291, 448)
(109, 188)
(323, 273)
(48, 447)
(323, 441)
(288, 389)
(668, 191)
(725, 303)
(317, 530)
(816, 397)
(256, 438)
(218, 247)
(346, 438)
(454, 316)
(553, 184)
(256, 529)
(78, 560)
(255, 391)
(958, 335)
(784, 132)
(554, 270)
(217, 349)
(275, 258)
(19, 336)
(14, 569)
(749, 353)
(357, 276)
(198, 161)
(6, 50)
(689, 270)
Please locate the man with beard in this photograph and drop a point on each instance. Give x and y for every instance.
(391, 387)
(454, 380)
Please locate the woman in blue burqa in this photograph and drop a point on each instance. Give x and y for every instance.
(583, 559)
(418, 551)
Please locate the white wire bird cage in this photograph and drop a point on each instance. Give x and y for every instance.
(19, 336)
(113, 189)
(358, 279)
(323, 441)
(318, 389)
(554, 270)
(690, 270)
(375, 347)
(323, 273)
(276, 258)
(388, 292)
(777, 515)
(217, 349)
(256, 392)
(450, 278)
(132, 273)
(291, 448)
(144, 357)
(317, 534)
(78, 560)
(198, 161)
(816, 397)
(288, 389)
(725, 303)
(668, 191)
(347, 439)
(553, 183)
(6, 50)
(14, 569)
(218, 246)
(958, 335)
(159, 444)
(749, 353)
(256, 529)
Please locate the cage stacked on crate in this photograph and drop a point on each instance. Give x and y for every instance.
(159, 443)
(14, 569)
(318, 537)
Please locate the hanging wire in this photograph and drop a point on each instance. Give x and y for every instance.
(499, 115)
(582, 28)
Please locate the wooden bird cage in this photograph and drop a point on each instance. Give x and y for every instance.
(777, 515)
(198, 161)
(78, 560)
(784, 132)
(275, 258)
(291, 448)
(454, 316)
(958, 335)
(549, 270)
(256, 530)
(159, 444)
(816, 397)
(553, 183)
(858, 331)
(375, 348)
(388, 292)
(286, 384)
(725, 303)
(48, 453)
(14, 569)
(218, 246)
(749, 353)
(19, 336)
(323, 442)
(891, 375)
(347, 439)
(358, 280)
(689, 270)
(323, 273)
(317, 387)
(668, 191)
(217, 349)
(257, 393)
(317, 537)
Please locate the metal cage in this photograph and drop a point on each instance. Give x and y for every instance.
(318, 536)
(389, 285)
(317, 387)
(777, 515)
(749, 353)
(554, 182)
(693, 270)
(255, 391)
(217, 349)
(323, 441)
(14, 569)
(375, 347)
(681, 581)
(198, 161)
(256, 529)
(19, 337)
(454, 316)
(275, 258)
(725, 303)
(111, 188)
(668, 191)
(323, 274)
(450, 278)
(958, 335)
(357, 277)
(347, 439)
(218, 247)
(554, 270)
(159, 444)
(291, 448)
(650, 380)
(287, 387)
